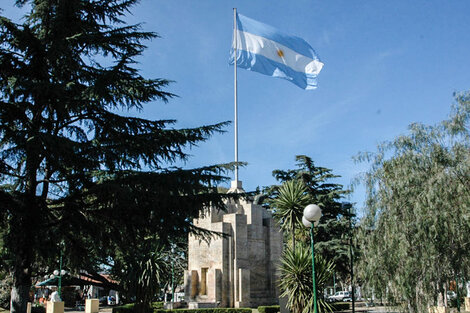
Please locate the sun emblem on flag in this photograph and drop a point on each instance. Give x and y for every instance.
(280, 53)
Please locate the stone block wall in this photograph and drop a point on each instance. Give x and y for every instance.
(240, 269)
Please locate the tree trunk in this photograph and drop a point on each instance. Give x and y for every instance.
(445, 295)
(440, 298)
(21, 281)
(19, 298)
(22, 231)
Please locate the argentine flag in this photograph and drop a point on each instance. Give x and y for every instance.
(264, 49)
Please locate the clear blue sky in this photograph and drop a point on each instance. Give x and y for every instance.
(387, 64)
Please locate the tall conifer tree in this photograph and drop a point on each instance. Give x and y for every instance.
(75, 175)
(333, 230)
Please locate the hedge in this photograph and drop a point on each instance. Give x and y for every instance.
(129, 308)
(208, 310)
(269, 309)
(38, 309)
(126, 308)
(339, 306)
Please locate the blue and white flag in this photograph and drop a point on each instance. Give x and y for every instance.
(266, 50)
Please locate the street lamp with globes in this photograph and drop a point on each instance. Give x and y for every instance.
(59, 274)
(311, 217)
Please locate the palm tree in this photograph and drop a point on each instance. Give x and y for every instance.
(296, 279)
(141, 271)
(289, 204)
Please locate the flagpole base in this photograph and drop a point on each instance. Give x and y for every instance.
(236, 186)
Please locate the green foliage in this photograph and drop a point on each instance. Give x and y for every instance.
(453, 303)
(269, 309)
(179, 260)
(296, 279)
(333, 229)
(140, 270)
(157, 305)
(418, 211)
(38, 309)
(215, 310)
(75, 170)
(288, 206)
(146, 268)
(6, 282)
(129, 308)
(340, 306)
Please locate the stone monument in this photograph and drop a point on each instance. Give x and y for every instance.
(467, 298)
(239, 270)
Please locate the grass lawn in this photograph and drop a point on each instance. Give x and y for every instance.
(3, 310)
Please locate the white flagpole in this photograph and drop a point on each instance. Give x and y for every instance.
(235, 90)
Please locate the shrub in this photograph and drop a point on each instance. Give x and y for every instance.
(296, 278)
(453, 302)
(209, 310)
(6, 282)
(157, 305)
(339, 306)
(38, 309)
(269, 309)
(127, 308)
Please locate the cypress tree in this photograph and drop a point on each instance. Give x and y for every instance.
(77, 177)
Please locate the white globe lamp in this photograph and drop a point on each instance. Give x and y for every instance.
(311, 217)
(306, 222)
(312, 213)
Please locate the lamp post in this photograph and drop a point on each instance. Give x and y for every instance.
(312, 214)
(348, 206)
(60, 272)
